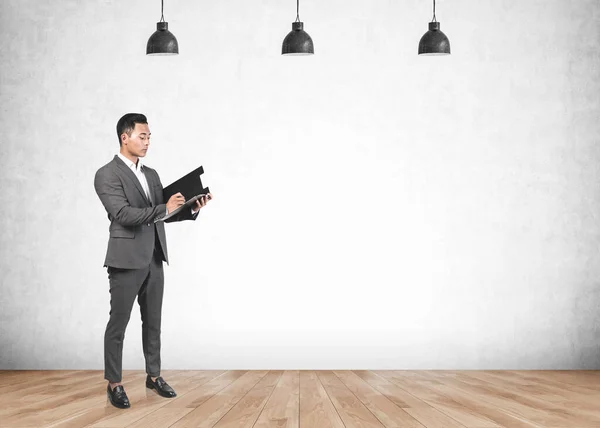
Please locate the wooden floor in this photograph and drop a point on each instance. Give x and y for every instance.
(307, 399)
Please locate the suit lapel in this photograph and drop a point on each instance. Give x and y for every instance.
(129, 173)
(152, 184)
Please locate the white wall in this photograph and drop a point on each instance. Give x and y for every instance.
(373, 208)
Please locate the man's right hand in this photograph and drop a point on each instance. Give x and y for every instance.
(175, 202)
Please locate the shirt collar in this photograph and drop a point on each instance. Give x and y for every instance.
(130, 164)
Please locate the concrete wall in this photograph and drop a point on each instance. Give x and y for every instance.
(373, 208)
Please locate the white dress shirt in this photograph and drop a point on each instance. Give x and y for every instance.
(139, 173)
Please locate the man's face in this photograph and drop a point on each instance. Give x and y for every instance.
(138, 142)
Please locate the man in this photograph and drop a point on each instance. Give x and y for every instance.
(132, 194)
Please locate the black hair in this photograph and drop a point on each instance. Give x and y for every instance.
(127, 124)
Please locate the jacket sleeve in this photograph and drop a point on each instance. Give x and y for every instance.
(183, 215)
(112, 195)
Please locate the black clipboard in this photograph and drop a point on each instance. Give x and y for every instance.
(190, 186)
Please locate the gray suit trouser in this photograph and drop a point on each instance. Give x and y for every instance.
(125, 284)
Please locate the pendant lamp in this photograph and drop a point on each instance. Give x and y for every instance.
(297, 42)
(162, 42)
(434, 42)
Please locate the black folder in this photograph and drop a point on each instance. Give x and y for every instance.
(190, 186)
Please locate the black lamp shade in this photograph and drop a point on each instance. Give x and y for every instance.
(434, 42)
(297, 42)
(162, 42)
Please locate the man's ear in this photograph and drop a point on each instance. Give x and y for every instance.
(123, 138)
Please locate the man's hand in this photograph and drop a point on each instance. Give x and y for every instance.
(201, 202)
(175, 202)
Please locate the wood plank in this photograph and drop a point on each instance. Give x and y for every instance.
(540, 385)
(205, 391)
(38, 383)
(161, 418)
(89, 417)
(63, 405)
(314, 399)
(84, 418)
(353, 413)
(433, 418)
(446, 404)
(282, 409)
(383, 408)
(43, 389)
(246, 411)
(9, 378)
(316, 409)
(210, 411)
(517, 408)
(424, 388)
(585, 410)
(481, 407)
(392, 391)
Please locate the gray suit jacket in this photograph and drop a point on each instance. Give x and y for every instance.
(132, 228)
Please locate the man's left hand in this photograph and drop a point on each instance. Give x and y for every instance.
(201, 202)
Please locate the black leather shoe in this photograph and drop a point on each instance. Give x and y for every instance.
(162, 388)
(117, 397)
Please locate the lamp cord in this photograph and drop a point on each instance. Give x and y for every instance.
(162, 8)
(297, 10)
(434, 20)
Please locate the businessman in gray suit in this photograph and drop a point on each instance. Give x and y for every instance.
(132, 195)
